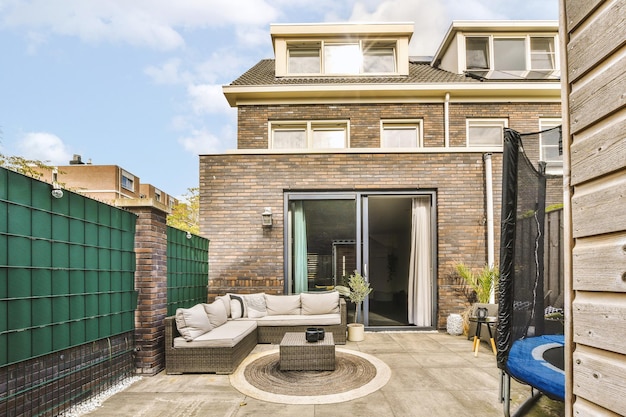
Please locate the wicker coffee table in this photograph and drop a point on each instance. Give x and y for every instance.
(296, 354)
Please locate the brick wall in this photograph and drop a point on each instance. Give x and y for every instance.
(151, 285)
(365, 120)
(234, 189)
(245, 257)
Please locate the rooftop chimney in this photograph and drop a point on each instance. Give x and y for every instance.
(76, 160)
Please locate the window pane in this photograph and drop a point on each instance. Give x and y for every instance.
(542, 53)
(509, 54)
(322, 240)
(289, 139)
(329, 138)
(550, 150)
(304, 61)
(477, 53)
(485, 136)
(379, 59)
(342, 59)
(399, 137)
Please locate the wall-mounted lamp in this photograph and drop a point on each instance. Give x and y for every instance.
(188, 235)
(266, 217)
(57, 192)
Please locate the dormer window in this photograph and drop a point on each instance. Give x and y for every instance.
(510, 56)
(341, 58)
(304, 58)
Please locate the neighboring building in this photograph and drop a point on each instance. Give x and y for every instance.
(106, 183)
(372, 160)
(595, 182)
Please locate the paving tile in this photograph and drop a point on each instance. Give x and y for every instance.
(432, 374)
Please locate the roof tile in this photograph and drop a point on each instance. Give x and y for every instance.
(263, 74)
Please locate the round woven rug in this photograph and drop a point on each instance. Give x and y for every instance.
(356, 375)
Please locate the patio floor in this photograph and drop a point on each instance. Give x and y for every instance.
(433, 374)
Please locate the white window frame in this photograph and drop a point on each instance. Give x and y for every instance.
(478, 122)
(309, 126)
(363, 45)
(127, 181)
(527, 50)
(408, 124)
(304, 46)
(545, 124)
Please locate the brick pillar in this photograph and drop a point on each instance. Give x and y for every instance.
(150, 283)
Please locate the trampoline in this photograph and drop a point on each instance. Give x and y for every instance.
(539, 362)
(530, 337)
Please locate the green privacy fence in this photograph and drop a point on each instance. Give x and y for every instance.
(187, 269)
(66, 269)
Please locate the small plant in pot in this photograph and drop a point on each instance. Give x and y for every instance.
(480, 284)
(357, 290)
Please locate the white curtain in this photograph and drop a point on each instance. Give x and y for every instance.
(420, 277)
(300, 269)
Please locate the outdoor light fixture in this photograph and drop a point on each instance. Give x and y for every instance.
(188, 235)
(57, 192)
(266, 217)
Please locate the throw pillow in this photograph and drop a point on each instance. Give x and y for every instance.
(216, 312)
(226, 300)
(282, 304)
(320, 303)
(237, 306)
(192, 322)
(255, 305)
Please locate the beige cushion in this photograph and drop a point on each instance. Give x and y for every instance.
(255, 305)
(299, 320)
(320, 303)
(225, 336)
(226, 300)
(216, 312)
(282, 304)
(192, 322)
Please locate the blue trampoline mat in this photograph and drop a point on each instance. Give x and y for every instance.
(527, 363)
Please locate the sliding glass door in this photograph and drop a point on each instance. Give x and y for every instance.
(389, 237)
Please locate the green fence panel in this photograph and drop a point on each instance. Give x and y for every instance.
(19, 345)
(77, 332)
(42, 340)
(187, 269)
(41, 282)
(61, 336)
(66, 269)
(42, 311)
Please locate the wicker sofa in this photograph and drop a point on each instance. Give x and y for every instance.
(236, 323)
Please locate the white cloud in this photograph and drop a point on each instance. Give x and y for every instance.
(200, 141)
(151, 23)
(208, 99)
(44, 146)
(168, 73)
(433, 18)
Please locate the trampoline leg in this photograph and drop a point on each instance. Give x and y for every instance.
(505, 393)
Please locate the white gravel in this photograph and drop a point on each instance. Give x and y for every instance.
(96, 401)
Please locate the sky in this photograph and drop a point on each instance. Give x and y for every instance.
(138, 83)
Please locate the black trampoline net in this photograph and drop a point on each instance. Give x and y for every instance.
(523, 292)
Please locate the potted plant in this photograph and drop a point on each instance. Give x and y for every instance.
(480, 284)
(358, 289)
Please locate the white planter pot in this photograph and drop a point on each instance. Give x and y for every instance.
(356, 332)
(454, 324)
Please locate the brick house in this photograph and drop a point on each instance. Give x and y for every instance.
(111, 184)
(373, 160)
